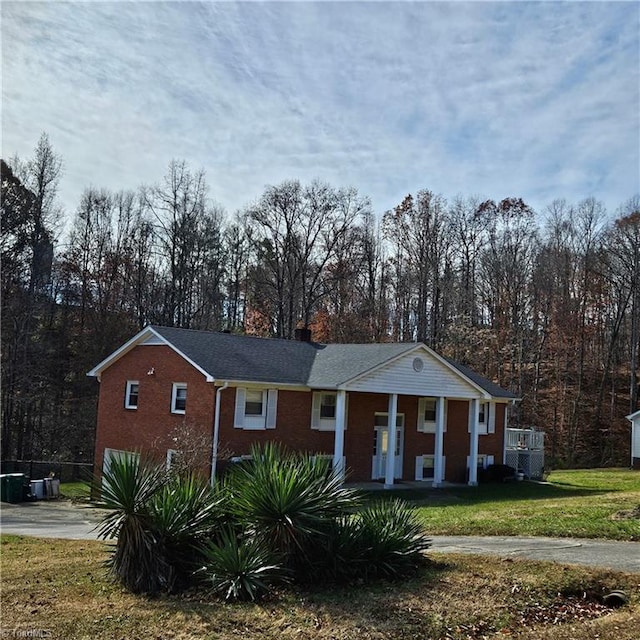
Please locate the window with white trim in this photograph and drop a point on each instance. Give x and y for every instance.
(255, 408)
(323, 410)
(179, 397)
(328, 406)
(484, 460)
(486, 417)
(255, 403)
(131, 394)
(426, 466)
(172, 458)
(428, 414)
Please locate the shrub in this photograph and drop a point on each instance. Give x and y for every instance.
(288, 501)
(392, 538)
(280, 516)
(127, 488)
(157, 520)
(239, 568)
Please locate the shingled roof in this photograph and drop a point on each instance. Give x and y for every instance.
(224, 356)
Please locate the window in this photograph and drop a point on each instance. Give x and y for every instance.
(131, 394)
(179, 397)
(486, 417)
(255, 408)
(328, 406)
(254, 403)
(382, 419)
(426, 467)
(484, 460)
(430, 405)
(324, 410)
(428, 414)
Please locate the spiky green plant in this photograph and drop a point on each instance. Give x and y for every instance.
(392, 538)
(238, 567)
(157, 521)
(183, 512)
(288, 500)
(127, 488)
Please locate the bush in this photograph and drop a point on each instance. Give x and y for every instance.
(288, 501)
(392, 537)
(239, 568)
(156, 520)
(278, 517)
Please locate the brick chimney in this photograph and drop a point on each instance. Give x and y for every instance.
(302, 334)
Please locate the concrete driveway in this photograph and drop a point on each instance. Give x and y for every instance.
(78, 522)
(51, 519)
(620, 556)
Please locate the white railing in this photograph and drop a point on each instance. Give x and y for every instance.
(525, 439)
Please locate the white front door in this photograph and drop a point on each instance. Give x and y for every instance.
(381, 447)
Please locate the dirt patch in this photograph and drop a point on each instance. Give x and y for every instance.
(629, 514)
(565, 609)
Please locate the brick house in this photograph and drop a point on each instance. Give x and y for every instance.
(345, 402)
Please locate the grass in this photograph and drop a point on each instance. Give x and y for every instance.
(79, 491)
(580, 503)
(61, 586)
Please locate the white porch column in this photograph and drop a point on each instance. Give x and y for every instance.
(338, 446)
(439, 443)
(473, 444)
(391, 441)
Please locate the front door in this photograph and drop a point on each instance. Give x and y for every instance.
(381, 446)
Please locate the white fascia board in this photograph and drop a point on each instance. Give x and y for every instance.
(632, 416)
(135, 341)
(260, 384)
(118, 353)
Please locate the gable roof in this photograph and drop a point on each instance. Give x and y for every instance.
(233, 357)
(336, 364)
(490, 387)
(227, 356)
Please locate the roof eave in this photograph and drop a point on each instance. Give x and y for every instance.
(96, 372)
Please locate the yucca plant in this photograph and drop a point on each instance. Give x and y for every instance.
(238, 567)
(127, 488)
(288, 501)
(183, 513)
(391, 537)
(157, 520)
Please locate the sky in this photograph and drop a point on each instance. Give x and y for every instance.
(489, 99)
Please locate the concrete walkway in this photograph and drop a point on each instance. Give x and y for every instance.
(78, 522)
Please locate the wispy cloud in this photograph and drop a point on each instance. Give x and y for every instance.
(539, 100)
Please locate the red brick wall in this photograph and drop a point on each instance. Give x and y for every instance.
(293, 426)
(148, 427)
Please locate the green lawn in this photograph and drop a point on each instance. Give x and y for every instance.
(75, 490)
(576, 503)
